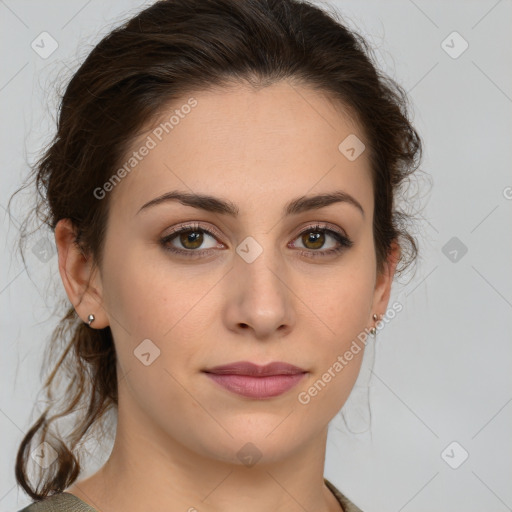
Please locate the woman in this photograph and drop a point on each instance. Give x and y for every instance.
(222, 187)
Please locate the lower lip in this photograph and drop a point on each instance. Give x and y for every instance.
(257, 387)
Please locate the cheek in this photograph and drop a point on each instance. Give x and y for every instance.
(343, 304)
(344, 308)
(139, 294)
(146, 299)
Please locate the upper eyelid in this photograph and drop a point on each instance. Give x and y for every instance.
(191, 226)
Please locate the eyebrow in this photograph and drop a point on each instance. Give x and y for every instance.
(224, 207)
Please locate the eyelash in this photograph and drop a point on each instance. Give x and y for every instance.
(345, 242)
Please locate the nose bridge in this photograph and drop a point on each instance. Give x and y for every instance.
(259, 263)
(262, 294)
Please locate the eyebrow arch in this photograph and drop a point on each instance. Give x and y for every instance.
(217, 205)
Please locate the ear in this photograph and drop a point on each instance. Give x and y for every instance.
(82, 283)
(384, 281)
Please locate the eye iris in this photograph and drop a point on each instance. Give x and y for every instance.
(316, 238)
(196, 237)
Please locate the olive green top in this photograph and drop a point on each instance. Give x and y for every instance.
(67, 502)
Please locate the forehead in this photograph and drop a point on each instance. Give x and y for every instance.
(238, 142)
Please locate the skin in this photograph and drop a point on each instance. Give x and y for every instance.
(178, 432)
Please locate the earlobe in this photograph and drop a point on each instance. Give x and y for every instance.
(80, 280)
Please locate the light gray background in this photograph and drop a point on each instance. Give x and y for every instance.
(442, 370)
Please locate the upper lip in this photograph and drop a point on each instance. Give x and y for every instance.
(248, 368)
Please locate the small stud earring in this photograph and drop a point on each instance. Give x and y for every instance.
(373, 330)
(91, 318)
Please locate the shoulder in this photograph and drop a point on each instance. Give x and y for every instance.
(60, 502)
(347, 505)
(66, 502)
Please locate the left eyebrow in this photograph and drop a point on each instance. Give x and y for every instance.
(224, 207)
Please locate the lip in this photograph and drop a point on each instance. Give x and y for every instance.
(248, 368)
(254, 381)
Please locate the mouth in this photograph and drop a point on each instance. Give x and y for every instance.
(254, 381)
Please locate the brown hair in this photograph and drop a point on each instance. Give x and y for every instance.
(167, 50)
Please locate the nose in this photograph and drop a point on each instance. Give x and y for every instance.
(259, 299)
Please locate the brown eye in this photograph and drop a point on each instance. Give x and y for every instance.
(191, 241)
(194, 238)
(317, 240)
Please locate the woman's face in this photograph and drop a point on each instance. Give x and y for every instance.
(261, 285)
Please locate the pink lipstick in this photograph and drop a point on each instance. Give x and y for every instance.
(254, 381)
